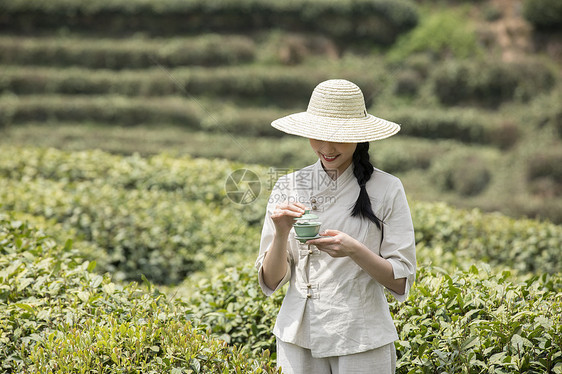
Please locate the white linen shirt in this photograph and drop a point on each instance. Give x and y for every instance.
(332, 306)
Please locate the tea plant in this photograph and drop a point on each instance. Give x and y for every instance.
(167, 217)
(543, 14)
(465, 321)
(139, 53)
(454, 237)
(149, 232)
(377, 20)
(479, 322)
(56, 315)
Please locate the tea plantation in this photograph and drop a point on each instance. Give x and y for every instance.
(476, 88)
(121, 250)
(78, 227)
(58, 316)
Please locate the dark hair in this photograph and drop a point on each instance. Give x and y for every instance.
(363, 169)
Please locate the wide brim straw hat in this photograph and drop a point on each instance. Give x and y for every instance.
(337, 113)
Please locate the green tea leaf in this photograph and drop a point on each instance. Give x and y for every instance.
(25, 307)
(91, 266)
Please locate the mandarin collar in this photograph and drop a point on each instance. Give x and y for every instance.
(325, 182)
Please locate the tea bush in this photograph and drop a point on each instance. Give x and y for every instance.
(56, 315)
(547, 164)
(464, 125)
(545, 113)
(194, 179)
(543, 14)
(505, 135)
(187, 98)
(188, 114)
(408, 83)
(148, 232)
(466, 321)
(480, 322)
(379, 20)
(106, 109)
(489, 82)
(160, 224)
(166, 217)
(234, 308)
(538, 206)
(441, 34)
(465, 172)
(116, 54)
(290, 151)
(458, 237)
(279, 85)
(390, 156)
(545, 169)
(113, 347)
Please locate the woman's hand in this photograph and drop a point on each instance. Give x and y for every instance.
(284, 217)
(335, 243)
(339, 244)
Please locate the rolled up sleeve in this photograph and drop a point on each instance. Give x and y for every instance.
(398, 242)
(266, 290)
(268, 231)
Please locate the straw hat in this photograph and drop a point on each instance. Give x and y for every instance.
(336, 113)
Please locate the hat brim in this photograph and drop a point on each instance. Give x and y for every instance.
(337, 130)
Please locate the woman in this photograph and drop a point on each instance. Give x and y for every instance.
(335, 316)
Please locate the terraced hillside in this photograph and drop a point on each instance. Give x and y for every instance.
(206, 78)
(137, 259)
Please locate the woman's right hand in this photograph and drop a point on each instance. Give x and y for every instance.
(284, 217)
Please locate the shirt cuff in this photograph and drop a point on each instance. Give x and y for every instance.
(265, 289)
(400, 270)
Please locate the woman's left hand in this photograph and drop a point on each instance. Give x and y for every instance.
(335, 243)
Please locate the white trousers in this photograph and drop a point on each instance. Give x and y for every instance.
(297, 360)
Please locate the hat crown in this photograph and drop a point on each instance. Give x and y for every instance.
(337, 98)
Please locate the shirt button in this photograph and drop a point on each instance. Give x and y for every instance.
(308, 296)
(314, 207)
(310, 251)
(313, 200)
(309, 285)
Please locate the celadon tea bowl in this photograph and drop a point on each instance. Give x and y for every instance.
(307, 226)
(307, 230)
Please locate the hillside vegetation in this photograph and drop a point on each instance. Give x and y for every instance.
(79, 226)
(124, 247)
(57, 316)
(146, 216)
(476, 90)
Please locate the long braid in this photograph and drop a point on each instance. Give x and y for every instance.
(363, 169)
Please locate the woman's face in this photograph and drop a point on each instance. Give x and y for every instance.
(334, 156)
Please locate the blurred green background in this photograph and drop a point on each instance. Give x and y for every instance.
(475, 84)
